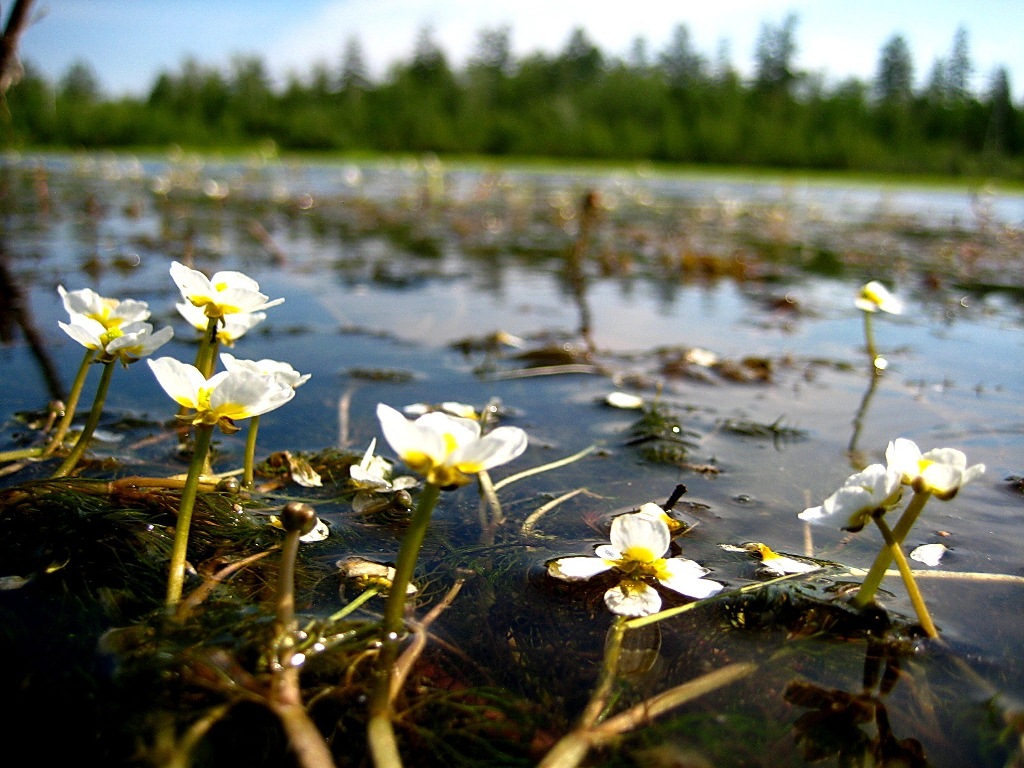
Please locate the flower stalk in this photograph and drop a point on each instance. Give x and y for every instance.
(250, 452)
(179, 549)
(380, 731)
(91, 422)
(72, 403)
(873, 579)
(895, 549)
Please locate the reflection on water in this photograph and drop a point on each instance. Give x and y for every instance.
(726, 303)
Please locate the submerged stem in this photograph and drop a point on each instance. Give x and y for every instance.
(72, 404)
(90, 423)
(873, 580)
(176, 577)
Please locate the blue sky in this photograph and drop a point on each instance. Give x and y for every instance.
(127, 42)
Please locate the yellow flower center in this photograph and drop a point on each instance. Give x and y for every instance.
(639, 562)
(110, 335)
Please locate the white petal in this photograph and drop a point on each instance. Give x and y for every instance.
(190, 282)
(241, 395)
(637, 530)
(929, 554)
(812, 514)
(231, 279)
(85, 331)
(633, 598)
(577, 568)
(492, 450)
(179, 380)
(904, 457)
(406, 438)
(685, 577)
(623, 400)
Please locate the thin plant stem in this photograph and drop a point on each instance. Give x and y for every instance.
(544, 467)
(176, 576)
(883, 559)
(250, 452)
(206, 355)
(380, 730)
(916, 598)
(21, 453)
(869, 338)
(305, 739)
(91, 422)
(72, 403)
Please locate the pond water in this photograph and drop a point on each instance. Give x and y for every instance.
(726, 303)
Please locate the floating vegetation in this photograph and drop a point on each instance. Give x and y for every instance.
(776, 431)
(660, 436)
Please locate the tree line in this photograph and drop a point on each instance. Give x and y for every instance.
(674, 105)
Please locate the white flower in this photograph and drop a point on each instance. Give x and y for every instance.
(223, 398)
(280, 370)
(226, 293)
(126, 343)
(448, 450)
(230, 328)
(639, 542)
(111, 313)
(940, 471)
(875, 297)
(876, 488)
(372, 472)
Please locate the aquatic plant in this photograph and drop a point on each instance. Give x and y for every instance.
(874, 297)
(867, 496)
(447, 451)
(285, 374)
(217, 401)
(225, 294)
(231, 327)
(108, 341)
(639, 542)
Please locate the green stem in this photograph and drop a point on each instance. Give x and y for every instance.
(90, 423)
(72, 404)
(250, 452)
(380, 731)
(21, 453)
(908, 578)
(884, 558)
(176, 577)
(206, 356)
(869, 338)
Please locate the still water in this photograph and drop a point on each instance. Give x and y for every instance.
(398, 275)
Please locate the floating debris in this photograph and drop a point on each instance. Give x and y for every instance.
(929, 554)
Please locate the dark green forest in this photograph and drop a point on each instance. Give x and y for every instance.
(676, 105)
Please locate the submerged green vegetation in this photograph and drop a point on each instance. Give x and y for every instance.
(675, 106)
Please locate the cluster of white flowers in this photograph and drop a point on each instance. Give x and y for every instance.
(876, 489)
(245, 388)
(114, 329)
